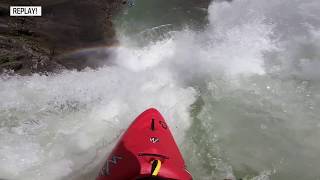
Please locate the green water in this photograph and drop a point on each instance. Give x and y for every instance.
(246, 123)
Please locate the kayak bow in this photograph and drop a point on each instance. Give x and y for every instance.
(146, 149)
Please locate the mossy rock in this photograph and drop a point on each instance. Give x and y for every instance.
(3, 60)
(7, 59)
(13, 65)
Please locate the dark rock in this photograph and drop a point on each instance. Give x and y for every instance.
(41, 44)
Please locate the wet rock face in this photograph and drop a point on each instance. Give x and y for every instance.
(40, 44)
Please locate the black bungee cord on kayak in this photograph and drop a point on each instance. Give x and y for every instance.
(155, 167)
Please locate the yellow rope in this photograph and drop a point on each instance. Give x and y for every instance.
(157, 169)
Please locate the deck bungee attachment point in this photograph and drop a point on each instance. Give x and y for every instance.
(146, 149)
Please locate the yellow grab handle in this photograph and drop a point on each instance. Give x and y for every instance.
(156, 170)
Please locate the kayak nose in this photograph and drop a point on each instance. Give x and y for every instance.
(147, 148)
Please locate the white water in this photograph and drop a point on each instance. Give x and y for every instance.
(51, 126)
(252, 74)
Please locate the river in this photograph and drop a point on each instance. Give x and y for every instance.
(239, 84)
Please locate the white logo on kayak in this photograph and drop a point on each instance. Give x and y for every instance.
(105, 171)
(154, 140)
(114, 159)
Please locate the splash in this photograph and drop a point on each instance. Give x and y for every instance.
(52, 126)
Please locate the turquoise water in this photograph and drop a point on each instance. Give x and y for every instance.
(254, 67)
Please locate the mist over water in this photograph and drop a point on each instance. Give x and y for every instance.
(240, 91)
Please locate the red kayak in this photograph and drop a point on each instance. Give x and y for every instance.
(146, 150)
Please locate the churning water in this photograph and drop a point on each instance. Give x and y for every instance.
(239, 84)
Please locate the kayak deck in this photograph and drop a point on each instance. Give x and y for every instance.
(147, 140)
